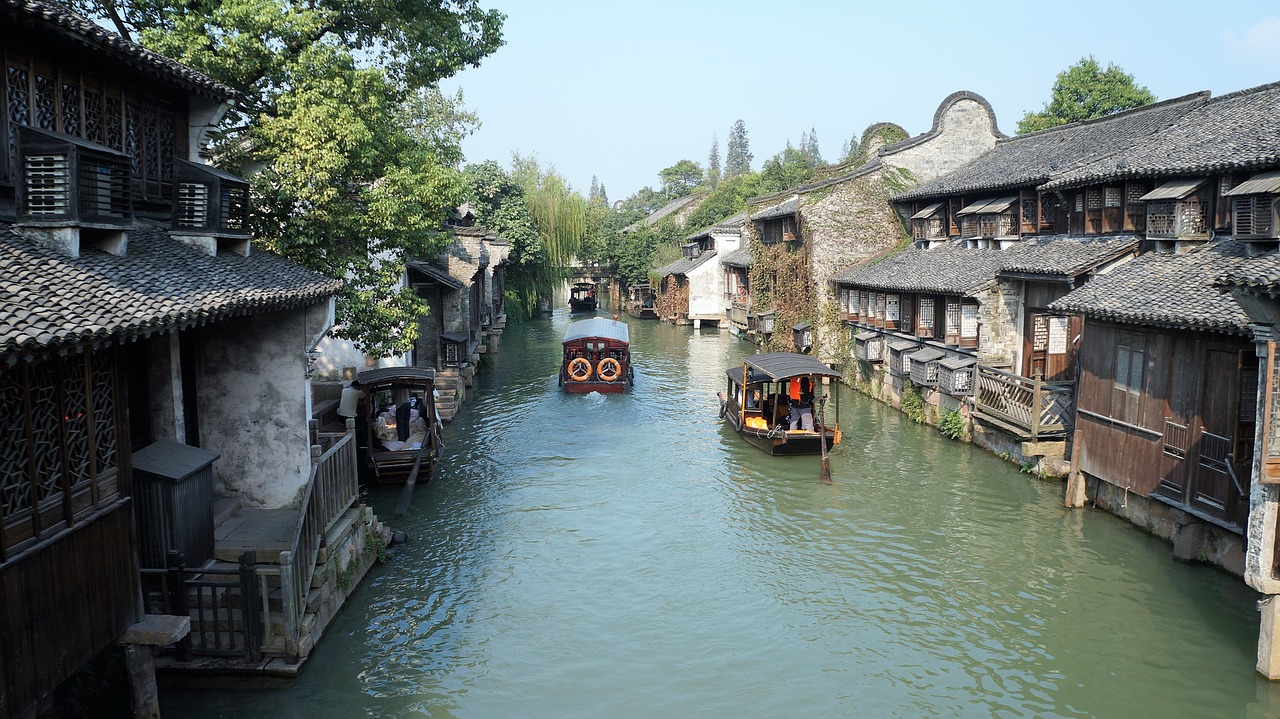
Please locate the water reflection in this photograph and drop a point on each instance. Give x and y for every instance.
(585, 556)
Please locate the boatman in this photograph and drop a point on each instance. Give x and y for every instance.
(800, 401)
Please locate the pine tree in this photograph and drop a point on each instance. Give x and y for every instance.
(810, 147)
(737, 156)
(595, 188)
(713, 162)
(604, 195)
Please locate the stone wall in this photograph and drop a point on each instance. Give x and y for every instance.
(964, 127)
(999, 312)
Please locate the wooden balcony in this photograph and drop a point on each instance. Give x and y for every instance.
(1027, 408)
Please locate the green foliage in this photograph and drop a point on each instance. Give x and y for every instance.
(540, 215)
(790, 168)
(713, 163)
(636, 253)
(680, 179)
(781, 279)
(333, 102)
(912, 403)
(1085, 91)
(737, 155)
(729, 198)
(881, 134)
(951, 424)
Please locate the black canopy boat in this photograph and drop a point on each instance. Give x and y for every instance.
(398, 427)
(759, 396)
(582, 297)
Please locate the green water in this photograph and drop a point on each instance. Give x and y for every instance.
(628, 556)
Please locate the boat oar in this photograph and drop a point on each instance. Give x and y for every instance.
(824, 474)
(406, 494)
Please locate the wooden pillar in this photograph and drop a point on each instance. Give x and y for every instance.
(139, 643)
(141, 663)
(1075, 479)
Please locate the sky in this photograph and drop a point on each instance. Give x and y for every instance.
(621, 90)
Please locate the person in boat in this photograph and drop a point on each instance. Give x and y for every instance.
(800, 402)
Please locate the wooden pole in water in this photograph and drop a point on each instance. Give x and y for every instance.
(406, 494)
(824, 473)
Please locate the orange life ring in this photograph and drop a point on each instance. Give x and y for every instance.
(608, 369)
(580, 369)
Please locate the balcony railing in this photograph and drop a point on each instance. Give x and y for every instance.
(1031, 407)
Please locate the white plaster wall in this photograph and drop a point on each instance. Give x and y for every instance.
(255, 400)
(706, 290)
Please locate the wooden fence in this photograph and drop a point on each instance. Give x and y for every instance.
(239, 611)
(1031, 406)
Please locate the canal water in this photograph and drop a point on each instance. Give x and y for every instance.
(628, 556)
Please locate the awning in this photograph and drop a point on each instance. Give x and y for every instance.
(955, 363)
(1174, 190)
(1268, 183)
(598, 327)
(435, 274)
(927, 354)
(775, 366)
(999, 204)
(927, 212)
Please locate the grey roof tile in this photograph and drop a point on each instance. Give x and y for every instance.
(1066, 256)
(114, 45)
(1237, 131)
(950, 269)
(740, 257)
(49, 300)
(1166, 290)
(781, 209)
(1260, 275)
(684, 265)
(1034, 158)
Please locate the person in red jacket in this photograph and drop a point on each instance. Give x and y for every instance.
(800, 402)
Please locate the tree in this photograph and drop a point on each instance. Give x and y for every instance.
(594, 194)
(737, 154)
(333, 102)
(810, 147)
(729, 198)
(1085, 91)
(680, 179)
(713, 162)
(790, 168)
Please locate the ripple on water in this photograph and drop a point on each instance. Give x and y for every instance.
(626, 555)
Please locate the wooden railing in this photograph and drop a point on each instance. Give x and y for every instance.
(1032, 406)
(331, 489)
(240, 611)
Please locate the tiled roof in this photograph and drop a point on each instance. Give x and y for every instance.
(740, 257)
(112, 44)
(684, 265)
(725, 226)
(1238, 131)
(1035, 158)
(49, 300)
(1260, 275)
(1166, 290)
(660, 213)
(950, 270)
(781, 209)
(953, 269)
(1066, 256)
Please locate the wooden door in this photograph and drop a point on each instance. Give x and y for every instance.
(1212, 489)
(1049, 346)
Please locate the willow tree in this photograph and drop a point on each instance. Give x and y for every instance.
(355, 167)
(542, 218)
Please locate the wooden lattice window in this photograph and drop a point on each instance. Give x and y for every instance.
(924, 324)
(953, 322)
(1049, 206)
(1030, 213)
(968, 321)
(969, 226)
(1135, 210)
(891, 310)
(58, 444)
(1162, 219)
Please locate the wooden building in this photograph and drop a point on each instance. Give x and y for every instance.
(136, 322)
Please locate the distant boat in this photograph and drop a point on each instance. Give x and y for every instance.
(582, 297)
(597, 357)
(757, 403)
(640, 302)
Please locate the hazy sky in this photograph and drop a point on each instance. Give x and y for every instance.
(622, 90)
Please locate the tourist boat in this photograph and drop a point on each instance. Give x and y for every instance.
(756, 403)
(397, 426)
(597, 357)
(640, 301)
(582, 297)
